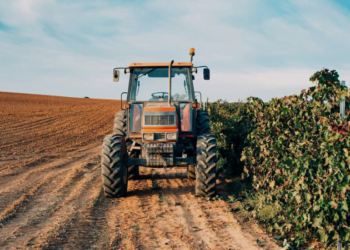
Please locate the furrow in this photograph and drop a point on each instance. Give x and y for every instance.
(44, 204)
(11, 209)
(52, 232)
(171, 220)
(217, 227)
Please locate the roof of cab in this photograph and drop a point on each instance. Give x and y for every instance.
(161, 64)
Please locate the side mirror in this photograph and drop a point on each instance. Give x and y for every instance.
(116, 74)
(206, 74)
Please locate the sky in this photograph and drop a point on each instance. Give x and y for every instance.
(262, 48)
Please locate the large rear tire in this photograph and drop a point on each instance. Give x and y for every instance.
(203, 126)
(114, 172)
(133, 170)
(120, 128)
(206, 165)
(191, 172)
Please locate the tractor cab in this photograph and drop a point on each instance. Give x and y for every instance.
(161, 122)
(160, 111)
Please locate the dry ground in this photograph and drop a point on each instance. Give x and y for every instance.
(51, 195)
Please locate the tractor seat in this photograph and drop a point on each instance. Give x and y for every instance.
(155, 99)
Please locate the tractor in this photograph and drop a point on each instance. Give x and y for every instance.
(160, 125)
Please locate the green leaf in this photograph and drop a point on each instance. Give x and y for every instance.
(333, 204)
(316, 208)
(322, 235)
(308, 197)
(317, 222)
(344, 206)
(336, 217)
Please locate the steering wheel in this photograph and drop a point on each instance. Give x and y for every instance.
(159, 94)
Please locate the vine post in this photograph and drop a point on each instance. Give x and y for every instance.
(342, 113)
(342, 104)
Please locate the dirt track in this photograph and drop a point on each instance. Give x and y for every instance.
(58, 203)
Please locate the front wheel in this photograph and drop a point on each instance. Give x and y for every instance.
(114, 172)
(206, 165)
(203, 126)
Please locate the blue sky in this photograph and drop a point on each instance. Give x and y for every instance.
(253, 47)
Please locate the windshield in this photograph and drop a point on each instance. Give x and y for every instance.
(151, 84)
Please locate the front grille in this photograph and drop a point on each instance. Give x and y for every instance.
(159, 120)
(159, 148)
(159, 154)
(159, 136)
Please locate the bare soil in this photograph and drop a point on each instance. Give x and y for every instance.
(51, 195)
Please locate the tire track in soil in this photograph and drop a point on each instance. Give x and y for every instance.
(70, 217)
(127, 215)
(8, 166)
(215, 233)
(14, 188)
(44, 205)
(36, 165)
(157, 233)
(172, 217)
(204, 224)
(163, 213)
(97, 223)
(82, 230)
(198, 240)
(201, 227)
(222, 225)
(12, 208)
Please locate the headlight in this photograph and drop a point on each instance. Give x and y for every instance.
(171, 136)
(148, 136)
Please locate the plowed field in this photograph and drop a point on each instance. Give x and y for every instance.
(51, 195)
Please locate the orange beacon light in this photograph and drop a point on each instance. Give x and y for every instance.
(192, 53)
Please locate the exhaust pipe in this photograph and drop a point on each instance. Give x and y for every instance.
(169, 94)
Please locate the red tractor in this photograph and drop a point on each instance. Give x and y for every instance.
(161, 125)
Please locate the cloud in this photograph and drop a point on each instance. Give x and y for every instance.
(263, 83)
(253, 47)
(27, 8)
(4, 27)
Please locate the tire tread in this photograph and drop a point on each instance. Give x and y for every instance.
(206, 165)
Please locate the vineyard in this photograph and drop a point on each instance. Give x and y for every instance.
(293, 156)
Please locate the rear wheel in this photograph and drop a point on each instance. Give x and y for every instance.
(206, 165)
(191, 172)
(133, 170)
(114, 172)
(203, 122)
(120, 127)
